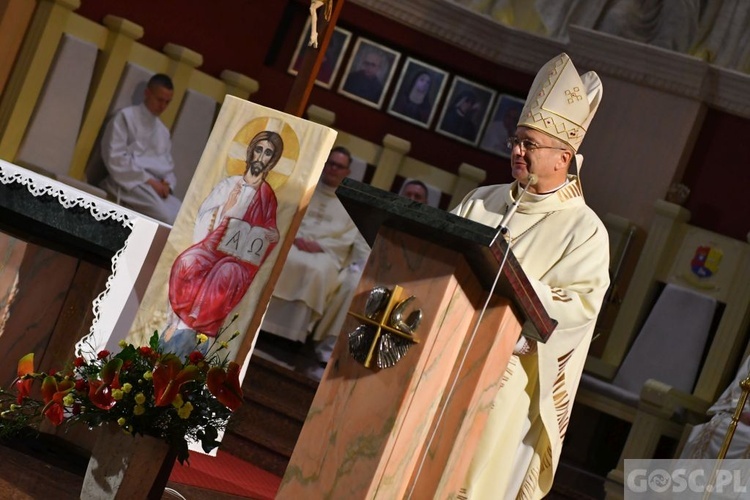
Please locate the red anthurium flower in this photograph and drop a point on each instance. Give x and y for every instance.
(79, 362)
(169, 375)
(55, 413)
(25, 367)
(100, 395)
(226, 385)
(103, 354)
(100, 391)
(53, 393)
(110, 373)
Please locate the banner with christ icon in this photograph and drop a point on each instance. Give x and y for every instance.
(215, 276)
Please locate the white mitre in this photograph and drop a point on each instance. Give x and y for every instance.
(560, 102)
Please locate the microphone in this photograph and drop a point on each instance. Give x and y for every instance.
(530, 181)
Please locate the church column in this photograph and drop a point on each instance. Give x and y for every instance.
(239, 85)
(120, 40)
(27, 81)
(321, 115)
(183, 62)
(389, 163)
(469, 177)
(15, 16)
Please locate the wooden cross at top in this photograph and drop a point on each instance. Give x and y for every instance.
(311, 62)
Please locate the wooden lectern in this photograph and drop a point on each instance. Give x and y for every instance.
(409, 431)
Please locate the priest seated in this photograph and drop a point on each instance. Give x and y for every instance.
(323, 252)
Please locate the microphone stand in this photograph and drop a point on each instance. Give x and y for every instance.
(503, 227)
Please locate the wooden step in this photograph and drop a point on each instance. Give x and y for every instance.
(264, 430)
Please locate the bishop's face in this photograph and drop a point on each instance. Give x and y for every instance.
(538, 153)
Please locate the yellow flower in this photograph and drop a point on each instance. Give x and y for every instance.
(127, 387)
(140, 398)
(139, 410)
(224, 344)
(122, 344)
(117, 394)
(68, 400)
(177, 401)
(148, 375)
(121, 421)
(184, 412)
(202, 337)
(235, 335)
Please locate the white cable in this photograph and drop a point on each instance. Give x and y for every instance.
(174, 492)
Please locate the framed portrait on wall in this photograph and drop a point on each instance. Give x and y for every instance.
(332, 59)
(369, 72)
(501, 125)
(465, 110)
(417, 93)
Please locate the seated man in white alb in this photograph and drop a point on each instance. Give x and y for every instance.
(137, 151)
(706, 439)
(322, 247)
(328, 328)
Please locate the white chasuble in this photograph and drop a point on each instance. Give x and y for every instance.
(563, 248)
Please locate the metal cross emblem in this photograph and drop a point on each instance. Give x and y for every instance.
(384, 333)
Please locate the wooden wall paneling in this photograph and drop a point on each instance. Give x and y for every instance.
(122, 34)
(11, 255)
(44, 278)
(15, 17)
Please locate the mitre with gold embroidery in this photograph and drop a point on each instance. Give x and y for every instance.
(561, 102)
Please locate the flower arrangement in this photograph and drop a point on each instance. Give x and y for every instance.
(144, 390)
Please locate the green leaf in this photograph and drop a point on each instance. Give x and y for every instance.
(153, 342)
(128, 353)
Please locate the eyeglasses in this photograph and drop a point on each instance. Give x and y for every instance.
(527, 145)
(336, 166)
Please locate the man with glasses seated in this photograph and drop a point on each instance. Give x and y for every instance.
(321, 249)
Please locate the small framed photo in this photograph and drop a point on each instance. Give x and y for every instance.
(331, 60)
(502, 125)
(465, 110)
(369, 72)
(418, 91)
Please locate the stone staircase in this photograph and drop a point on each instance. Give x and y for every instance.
(265, 428)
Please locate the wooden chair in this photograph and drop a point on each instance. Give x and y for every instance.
(72, 73)
(44, 102)
(676, 256)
